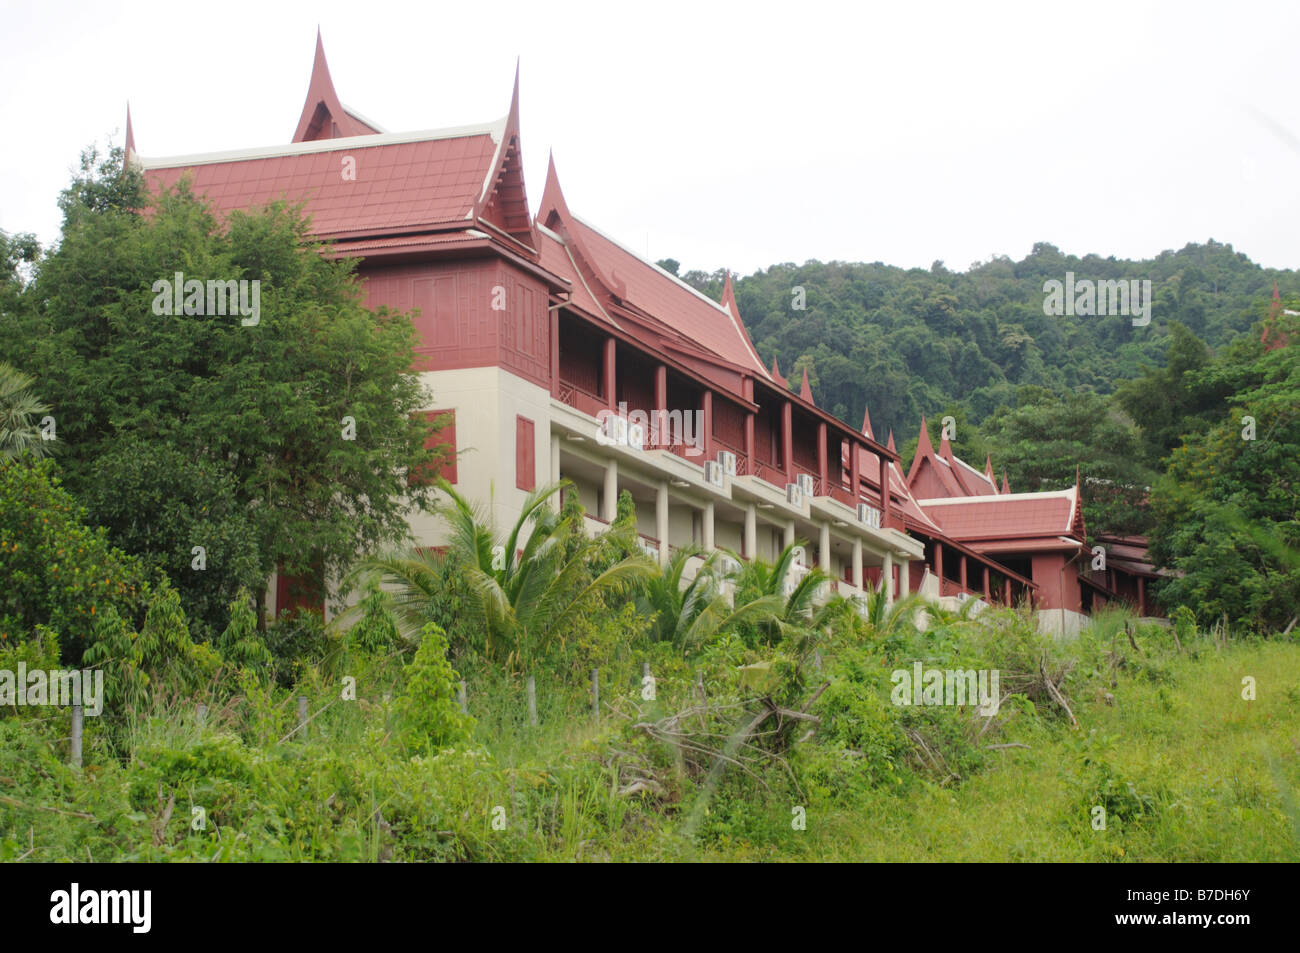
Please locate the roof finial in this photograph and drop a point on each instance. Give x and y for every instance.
(323, 115)
(129, 148)
(890, 445)
(805, 391)
(729, 295)
(866, 423)
(1005, 488)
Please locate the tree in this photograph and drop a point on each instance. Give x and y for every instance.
(1045, 437)
(304, 412)
(525, 587)
(20, 412)
(1228, 506)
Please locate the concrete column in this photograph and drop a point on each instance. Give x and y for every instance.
(938, 564)
(555, 467)
(887, 577)
(987, 597)
(708, 526)
(661, 520)
(961, 570)
(610, 509)
(751, 531)
(789, 533)
(857, 564)
(824, 548)
(904, 579)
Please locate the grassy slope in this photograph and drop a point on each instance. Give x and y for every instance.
(1190, 772)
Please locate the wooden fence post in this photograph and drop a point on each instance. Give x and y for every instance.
(74, 747)
(302, 716)
(595, 694)
(532, 701)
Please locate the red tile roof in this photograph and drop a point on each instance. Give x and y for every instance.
(682, 308)
(405, 185)
(1019, 516)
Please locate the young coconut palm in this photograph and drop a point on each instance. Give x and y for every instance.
(527, 587)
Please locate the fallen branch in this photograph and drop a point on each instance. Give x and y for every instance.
(53, 810)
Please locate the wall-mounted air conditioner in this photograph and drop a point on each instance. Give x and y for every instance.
(636, 436)
(794, 494)
(713, 472)
(805, 482)
(869, 515)
(728, 461)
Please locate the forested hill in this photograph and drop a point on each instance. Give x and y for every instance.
(912, 341)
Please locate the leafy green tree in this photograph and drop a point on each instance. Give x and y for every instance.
(525, 587)
(1045, 437)
(305, 406)
(433, 718)
(1228, 506)
(56, 570)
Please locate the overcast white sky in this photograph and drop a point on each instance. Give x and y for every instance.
(730, 135)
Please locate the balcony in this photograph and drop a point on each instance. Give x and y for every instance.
(579, 399)
(768, 473)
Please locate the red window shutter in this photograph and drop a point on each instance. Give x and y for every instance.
(446, 437)
(525, 455)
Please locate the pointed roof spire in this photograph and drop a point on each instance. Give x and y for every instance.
(988, 472)
(129, 148)
(866, 423)
(945, 448)
(323, 116)
(890, 445)
(1005, 488)
(923, 445)
(504, 199)
(805, 391)
(729, 295)
(776, 373)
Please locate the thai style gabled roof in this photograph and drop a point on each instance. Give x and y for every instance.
(1018, 522)
(374, 191)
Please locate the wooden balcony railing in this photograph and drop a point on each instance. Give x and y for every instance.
(771, 474)
(844, 496)
(580, 399)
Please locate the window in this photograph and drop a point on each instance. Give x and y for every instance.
(525, 454)
(446, 438)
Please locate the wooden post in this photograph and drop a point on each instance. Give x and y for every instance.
(532, 701)
(201, 715)
(595, 694)
(74, 746)
(464, 701)
(302, 716)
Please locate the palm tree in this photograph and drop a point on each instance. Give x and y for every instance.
(18, 407)
(526, 588)
(690, 615)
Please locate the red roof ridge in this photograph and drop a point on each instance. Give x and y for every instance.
(999, 497)
(505, 175)
(368, 141)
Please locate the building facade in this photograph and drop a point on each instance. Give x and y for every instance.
(558, 354)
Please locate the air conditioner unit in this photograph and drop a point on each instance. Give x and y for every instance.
(869, 514)
(713, 472)
(728, 461)
(727, 565)
(794, 494)
(805, 482)
(636, 436)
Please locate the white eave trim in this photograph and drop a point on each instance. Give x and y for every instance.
(495, 130)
